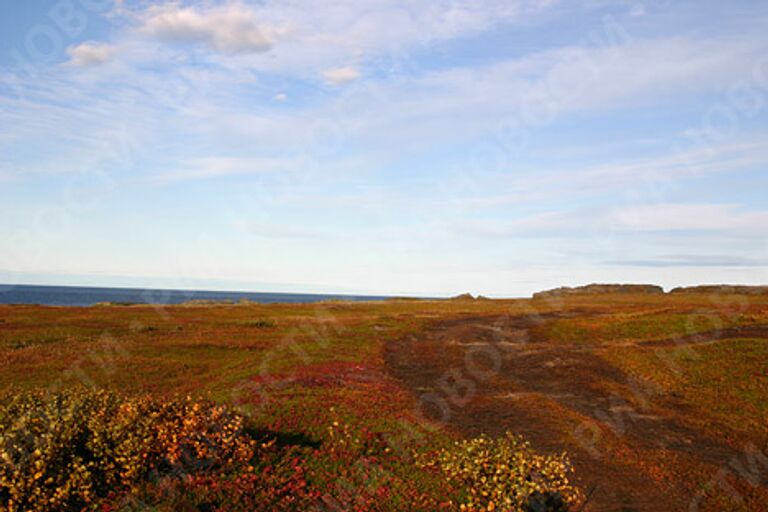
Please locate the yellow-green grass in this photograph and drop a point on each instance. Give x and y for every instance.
(632, 319)
(725, 382)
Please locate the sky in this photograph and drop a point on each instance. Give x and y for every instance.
(383, 146)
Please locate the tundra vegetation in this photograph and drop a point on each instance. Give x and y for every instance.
(644, 400)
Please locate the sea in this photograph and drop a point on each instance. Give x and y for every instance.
(88, 296)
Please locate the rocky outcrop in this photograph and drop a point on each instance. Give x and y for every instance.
(723, 289)
(594, 289)
(464, 296)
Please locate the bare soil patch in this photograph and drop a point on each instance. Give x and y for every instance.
(488, 374)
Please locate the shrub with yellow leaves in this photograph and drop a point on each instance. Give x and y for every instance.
(68, 450)
(505, 474)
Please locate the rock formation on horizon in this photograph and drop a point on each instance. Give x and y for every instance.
(595, 288)
(722, 288)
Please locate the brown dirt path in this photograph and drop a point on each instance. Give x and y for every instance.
(486, 375)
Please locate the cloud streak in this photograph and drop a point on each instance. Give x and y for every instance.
(216, 167)
(691, 260)
(650, 218)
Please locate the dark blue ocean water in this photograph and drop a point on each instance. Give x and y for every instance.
(86, 296)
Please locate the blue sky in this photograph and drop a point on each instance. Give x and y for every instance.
(497, 147)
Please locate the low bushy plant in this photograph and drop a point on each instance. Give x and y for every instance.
(84, 449)
(505, 474)
(69, 450)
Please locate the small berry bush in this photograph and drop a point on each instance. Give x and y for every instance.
(85, 449)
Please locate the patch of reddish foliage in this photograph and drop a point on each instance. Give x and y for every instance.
(361, 389)
(327, 374)
(278, 484)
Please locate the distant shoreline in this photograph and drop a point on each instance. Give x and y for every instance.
(82, 296)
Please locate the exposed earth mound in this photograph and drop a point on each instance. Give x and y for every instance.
(592, 289)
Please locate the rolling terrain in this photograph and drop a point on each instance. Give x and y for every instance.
(659, 400)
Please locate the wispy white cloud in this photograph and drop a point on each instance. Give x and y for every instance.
(280, 231)
(726, 218)
(730, 155)
(233, 28)
(626, 179)
(212, 167)
(338, 76)
(89, 54)
(637, 10)
(429, 109)
(538, 88)
(692, 260)
(702, 218)
(308, 37)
